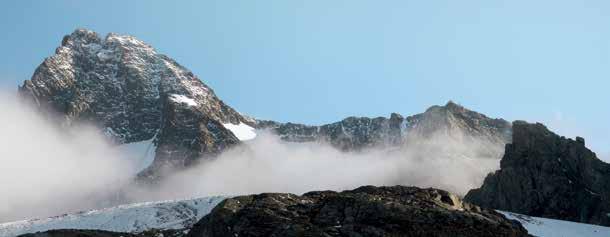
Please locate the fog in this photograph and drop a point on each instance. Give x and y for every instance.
(48, 171)
(268, 164)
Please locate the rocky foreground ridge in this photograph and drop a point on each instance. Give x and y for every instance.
(365, 211)
(546, 175)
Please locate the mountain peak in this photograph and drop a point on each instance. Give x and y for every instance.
(122, 85)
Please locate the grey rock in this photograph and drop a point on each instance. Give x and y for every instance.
(545, 175)
(357, 133)
(122, 85)
(366, 211)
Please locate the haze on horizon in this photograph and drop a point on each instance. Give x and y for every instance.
(317, 61)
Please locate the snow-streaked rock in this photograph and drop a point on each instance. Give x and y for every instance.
(176, 214)
(123, 85)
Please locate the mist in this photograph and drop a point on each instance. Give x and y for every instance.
(46, 170)
(268, 164)
(49, 170)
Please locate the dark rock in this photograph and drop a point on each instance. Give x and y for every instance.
(545, 175)
(366, 211)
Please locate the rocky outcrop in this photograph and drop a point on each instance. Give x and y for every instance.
(451, 121)
(366, 211)
(545, 175)
(131, 92)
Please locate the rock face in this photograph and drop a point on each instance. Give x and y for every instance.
(132, 93)
(356, 133)
(545, 175)
(366, 211)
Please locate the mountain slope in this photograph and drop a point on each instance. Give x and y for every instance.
(543, 174)
(132, 93)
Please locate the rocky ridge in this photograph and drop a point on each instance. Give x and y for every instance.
(365, 211)
(545, 175)
(451, 121)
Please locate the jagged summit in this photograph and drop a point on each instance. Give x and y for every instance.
(133, 93)
(119, 82)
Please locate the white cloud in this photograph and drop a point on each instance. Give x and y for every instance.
(44, 171)
(267, 164)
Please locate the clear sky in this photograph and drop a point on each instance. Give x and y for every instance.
(319, 61)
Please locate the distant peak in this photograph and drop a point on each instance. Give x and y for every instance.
(449, 106)
(450, 103)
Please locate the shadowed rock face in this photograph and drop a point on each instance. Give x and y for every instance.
(545, 175)
(366, 211)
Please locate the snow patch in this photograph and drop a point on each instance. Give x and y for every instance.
(182, 99)
(242, 131)
(175, 214)
(544, 227)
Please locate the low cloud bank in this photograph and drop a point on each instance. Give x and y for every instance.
(48, 171)
(268, 164)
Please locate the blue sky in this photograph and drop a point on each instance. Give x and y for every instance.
(319, 61)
